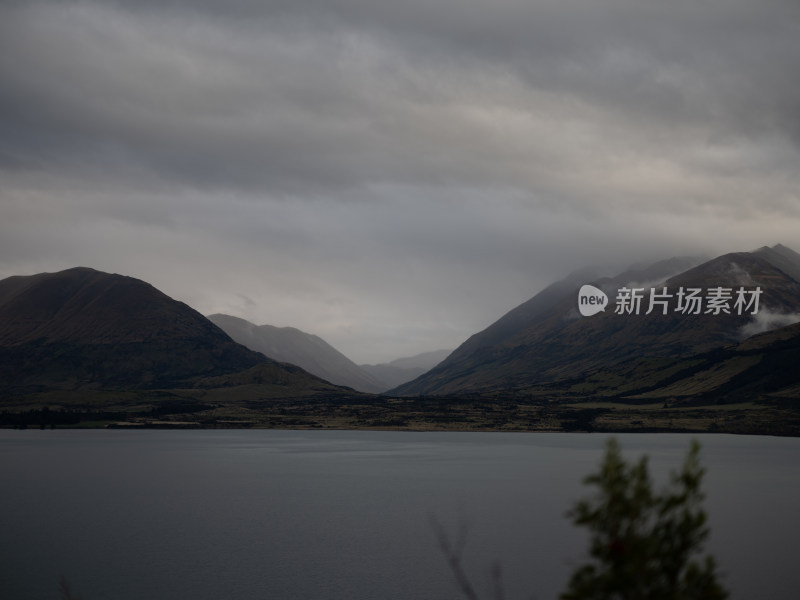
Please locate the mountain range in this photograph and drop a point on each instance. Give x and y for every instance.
(545, 347)
(315, 355)
(312, 353)
(81, 329)
(679, 333)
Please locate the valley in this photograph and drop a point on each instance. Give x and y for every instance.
(82, 348)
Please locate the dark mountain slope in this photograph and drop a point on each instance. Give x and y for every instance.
(775, 356)
(290, 345)
(761, 368)
(783, 258)
(533, 312)
(82, 328)
(560, 345)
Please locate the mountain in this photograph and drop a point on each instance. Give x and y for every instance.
(85, 329)
(546, 345)
(405, 369)
(290, 345)
(530, 314)
(762, 367)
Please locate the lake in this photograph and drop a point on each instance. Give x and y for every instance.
(347, 515)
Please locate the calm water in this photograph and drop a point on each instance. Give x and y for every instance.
(346, 515)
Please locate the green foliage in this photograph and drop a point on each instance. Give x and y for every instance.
(642, 543)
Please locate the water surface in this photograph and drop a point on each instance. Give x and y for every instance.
(296, 515)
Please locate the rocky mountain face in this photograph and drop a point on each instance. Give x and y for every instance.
(85, 329)
(653, 317)
(290, 345)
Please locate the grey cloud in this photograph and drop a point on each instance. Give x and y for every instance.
(766, 320)
(404, 171)
(411, 91)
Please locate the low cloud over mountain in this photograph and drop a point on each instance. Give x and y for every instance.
(545, 343)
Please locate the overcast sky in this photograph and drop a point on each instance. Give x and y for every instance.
(391, 176)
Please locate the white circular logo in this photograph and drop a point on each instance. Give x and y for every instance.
(591, 300)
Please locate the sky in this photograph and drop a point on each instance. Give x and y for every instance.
(391, 176)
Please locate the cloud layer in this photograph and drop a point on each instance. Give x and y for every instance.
(391, 176)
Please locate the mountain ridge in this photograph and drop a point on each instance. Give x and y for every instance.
(83, 346)
(556, 343)
(85, 329)
(291, 345)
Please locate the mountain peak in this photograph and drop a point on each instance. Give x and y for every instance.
(783, 258)
(78, 326)
(545, 340)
